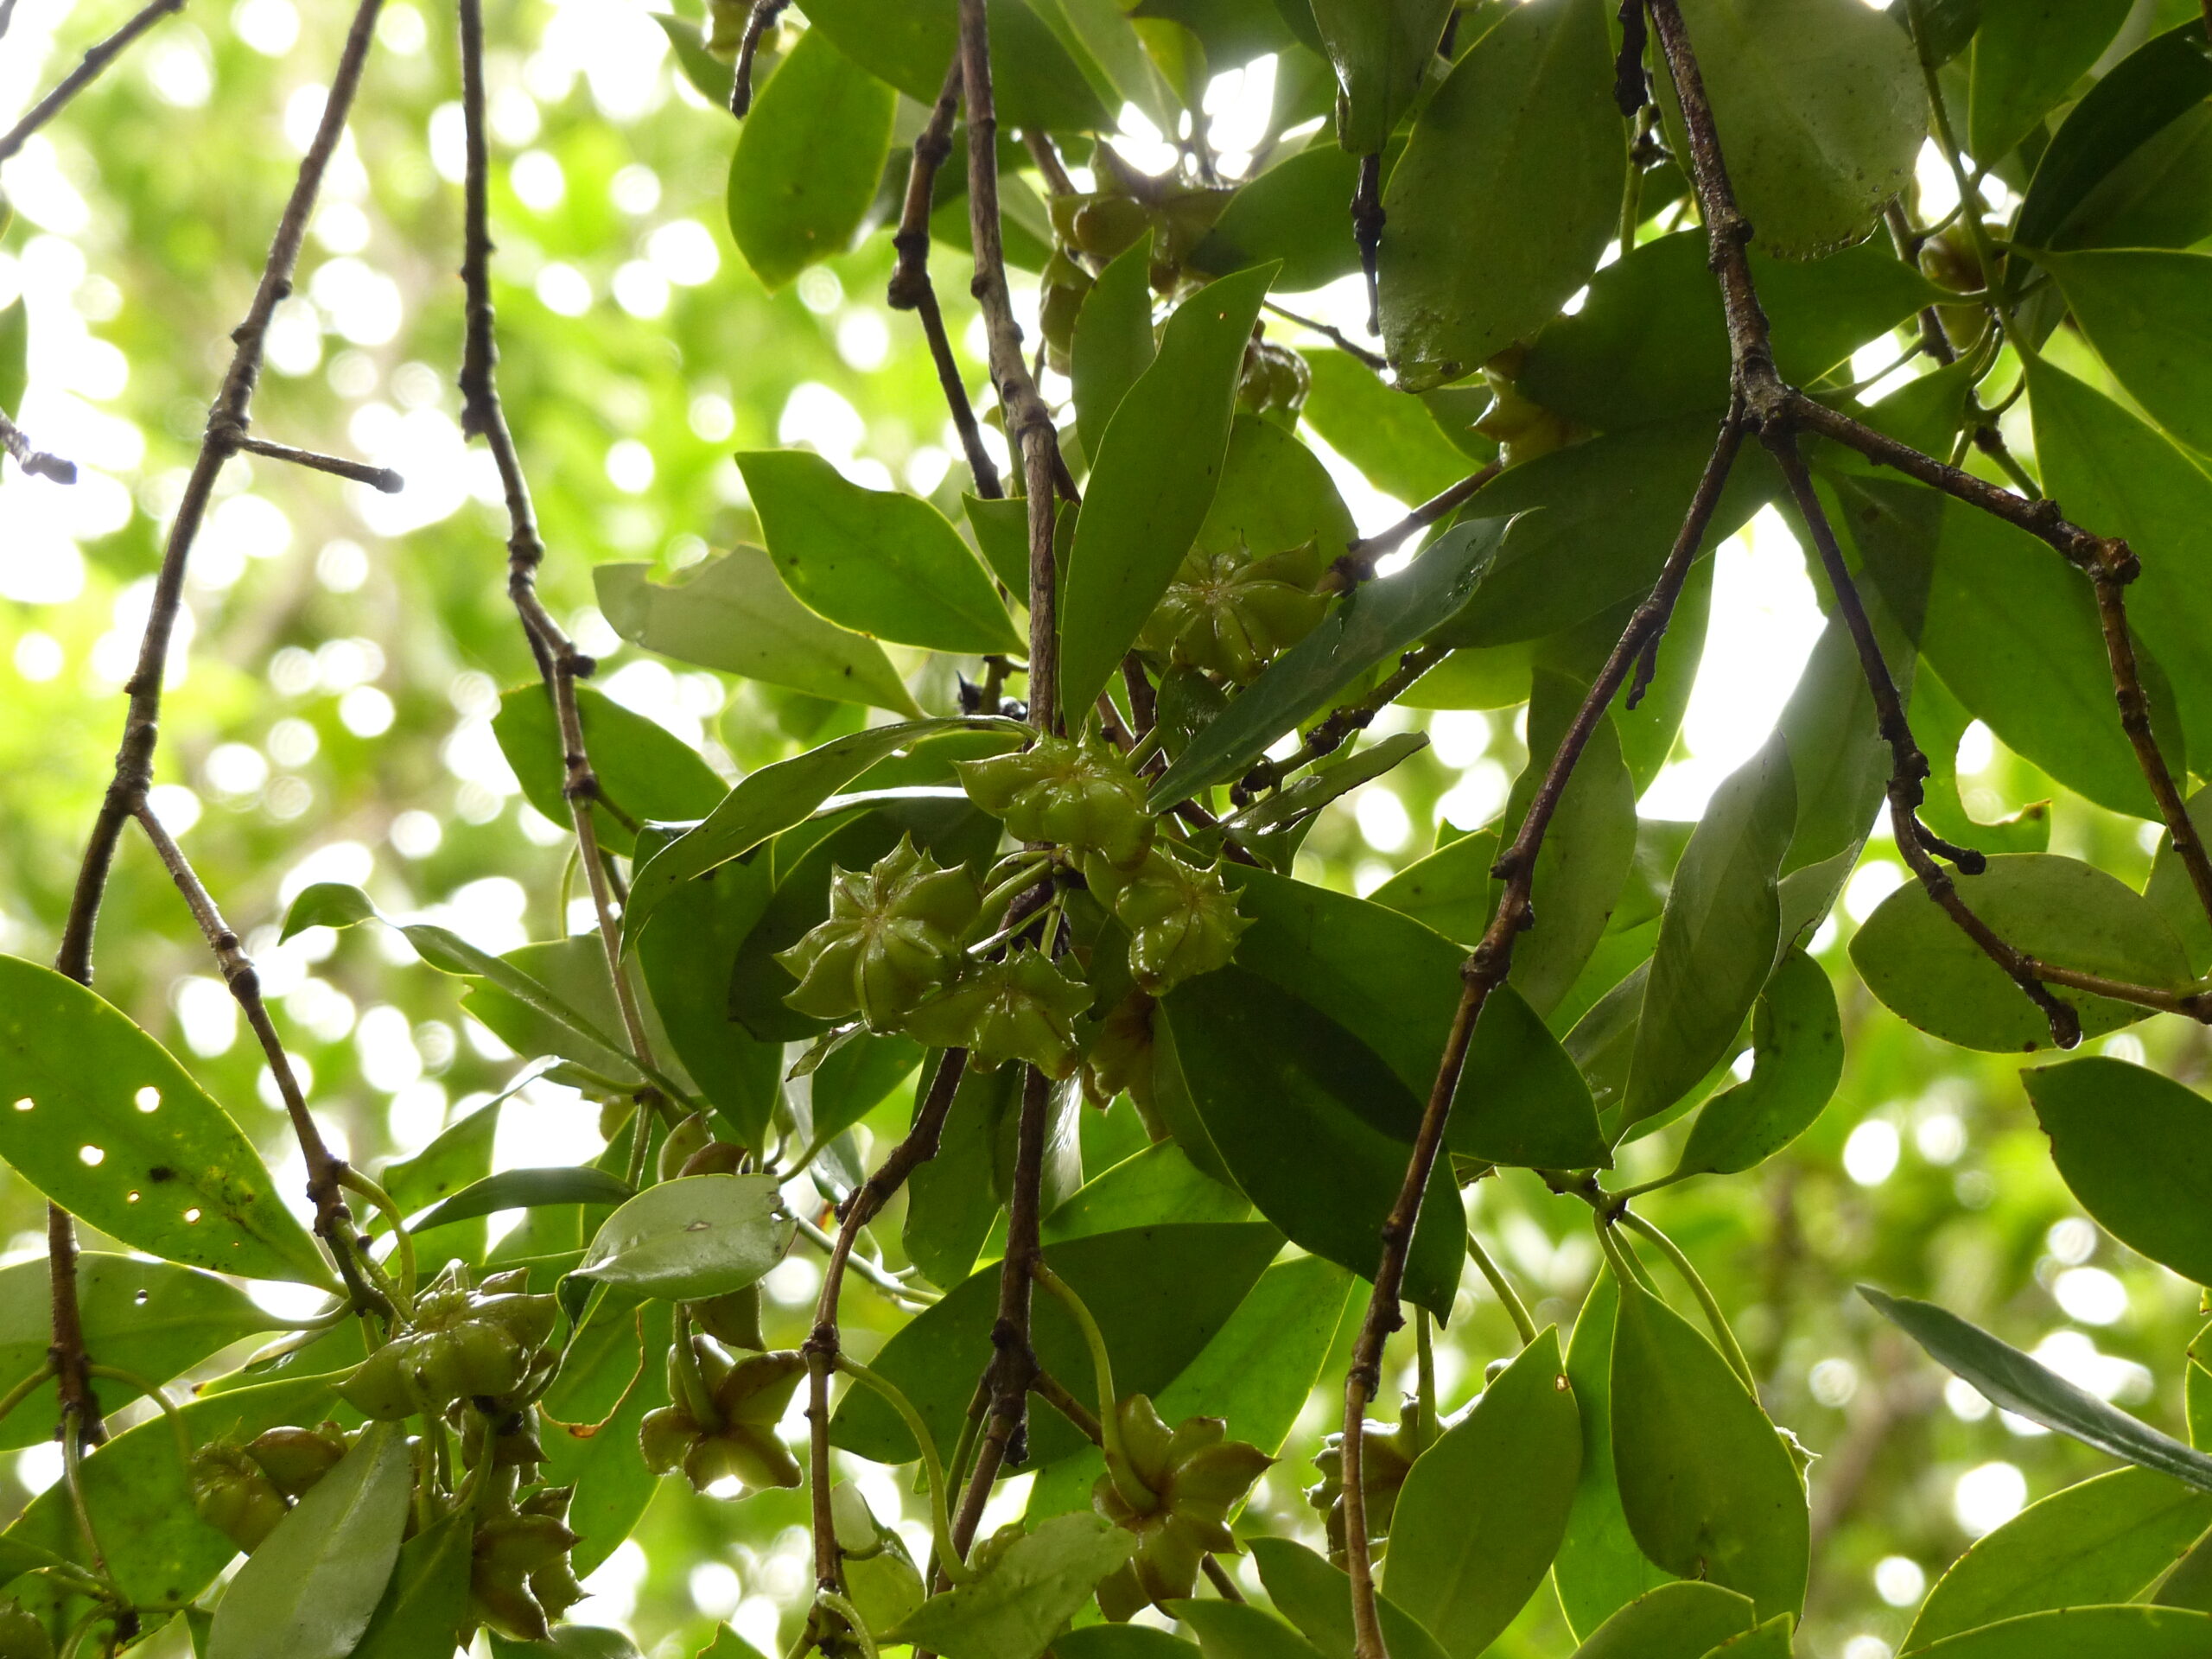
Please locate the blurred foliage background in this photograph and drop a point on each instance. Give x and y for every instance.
(331, 721)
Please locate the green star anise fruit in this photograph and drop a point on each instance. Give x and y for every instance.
(746, 1401)
(1230, 611)
(465, 1342)
(232, 1495)
(1387, 1454)
(892, 937)
(1022, 1008)
(1197, 1475)
(1071, 794)
(1182, 922)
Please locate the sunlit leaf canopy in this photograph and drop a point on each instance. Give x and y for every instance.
(713, 401)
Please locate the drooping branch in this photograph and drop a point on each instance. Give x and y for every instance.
(88, 70)
(34, 461)
(758, 22)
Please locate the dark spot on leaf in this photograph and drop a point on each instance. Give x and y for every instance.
(160, 1172)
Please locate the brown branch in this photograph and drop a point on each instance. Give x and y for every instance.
(381, 479)
(1357, 564)
(1047, 156)
(1029, 421)
(1367, 221)
(1330, 734)
(36, 463)
(911, 289)
(80, 1407)
(1336, 337)
(94, 64)
(763, 15)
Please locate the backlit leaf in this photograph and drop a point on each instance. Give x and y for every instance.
(2136, 1149)
(809, 157)
(2144, 311)
(2027, 55)
(1388, 434)
(1381, 50)
(698, 1236)
(1599, 1570)
(1113, 343)
(643, 770)
(1020, 1600)
(1316, 1596)
(1682, 1620)
(1797, 1057)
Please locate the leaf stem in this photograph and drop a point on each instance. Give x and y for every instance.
(153, 1391)
(1138, 1495)
(402, 1238)
(956, 1565)
(1723, 1338)
(1515, 1309)
(24, 1389)
(845, 1610)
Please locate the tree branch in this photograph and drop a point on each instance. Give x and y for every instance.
(762, 18)
(35, 462)
(94, 64)
(1357, 564)
(381, 479)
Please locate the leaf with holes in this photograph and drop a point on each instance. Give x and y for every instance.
(101, 1118)
(701, 1236)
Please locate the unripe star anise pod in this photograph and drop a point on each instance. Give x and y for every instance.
(1197, 1475)
(892, 937)
(1022, 1008)
(1064, 284)
(233, 1495)
(1273, 381)
(1119, 1057)
(464, 1344)
(1072, 794)
(748, 1400)
(1230, 611)
(1523, 429)
(1387, 1454)
(296, 1458)
(1182, 922)
(519, 1579)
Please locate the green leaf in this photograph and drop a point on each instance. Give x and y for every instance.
(2086, 1633)
(1230, 1629)
(2012, 1381)
(426, 1603)
(1002, 533)
(1521, 1101)
(689, 954)
(1381, 50)
(107, 1124)
(686, 1239)
(643, 770)
(773, 799)
(1152, 481)
(1770, 1641)
(1112, 344)
(2136, 1149)
(1389, 435)
(2143, 309)
(1917, 960)
(880, 561)
(1719, 935)
(528, 1189)
(706, 71)
(735, 614)
(1274, 494)
(1797, 1059)
(1312, 1123)
(1940, 722)
(1159, 1293)
(951, 1200)
(908, 43)
(1523, 133)
(1651, 342)
(1122, 1642)
(1158, 1185)
(809, 159)
(611, 1376)
(1297, 803)
(2174, 897)
(15, 346)
(2027, 56)
(327, 903)
(1315, 1595)
(1482, 1510)
(310, 1589)
(2131, 105)
(567, 1642)
(1682, 1620)
(1599, 1569)
(1292, 214)
(2106, 1540)
(728, 1644)
(2158, 198)
(150, 1317)
(1820, 110)
(1019, 1601)
(1706, 1485)
(1449, 891)
(1383, 617)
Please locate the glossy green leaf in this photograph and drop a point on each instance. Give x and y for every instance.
(612, 1375)
(1819, 109)
(1274, 494)
(1292, 214)
(426, 1602)
(698, 1236)
(2013, 1381)
(908, 42)
(809, 158)
(1837, 757)
(567, 1642)
(1770, 1641)
(1523, 133)
(1709, 1489)
(1720, 933)
(643, 770)
(1389, 435)
(2106, 1540)
(1797, 1058)
(1122, 1642)
(1521, 1101)
(1651, 343)
(1381, 50)
(1482, 1510)
(2134, 101)
(2135, 1632)
(1230, 1629)
(528, 1189)
(2173, 895)
(735, 614)
(877, 561)
(1151, 483)
(1315, 1595)
(107, 1124)
(773, 799)
(150, 1317)
(1682, 1620)
(1112, 344)
(1159, 1293)
(310, 1589)
(1297, 803)
(1158, 1185)
(687, 955)
(1383, 617)
(2144, 311)
(1916, 959)
(1449, 891)
(2027, 56)
(2136, 1149)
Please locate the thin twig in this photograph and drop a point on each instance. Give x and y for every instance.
(376, 478)
(1046, 155)
(1357, 564)
(1367, 221)
(36, 463)
(762, 17)
(1336, 337)
(1329, 735)
(911, 289)
(94, 63)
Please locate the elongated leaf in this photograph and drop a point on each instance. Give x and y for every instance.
(1797, 1058)
(1383, 617)
(688, 955)
(1158, 1185)
(1599, 1570)
(427, 1601)
(2058, 909)
(1228, 1629)
(908, 42)
(1292, 214)
(1151, 483)
(1112, 344)
(2136, 1149)
(2171, 894)
(1484, 1509)
(1315, 1595)
(877, 561)
(2143, 309)
(1274, 494)
(1389, 435)
(699, 1236)
(1708, 1488)
(2010, 1379)
(1381, 51)
(2086, 1633)
(1682, 1620)
(808, 160)
(1719, 938)
(150, 1317)
(951, 1200)
(2027, 55)
(1819, 109)
(735, 614)
(1522, 132)
(1521, 1101)
(1770, 1641)
(612, 1374)
(1002, 533)
(643, 770)
(15, 341)
(106, 1122)
(2106, 1540)
(310, 1589)
(528, 1189)
(1122, 1642)
(1299, 801)
(1449, 891)
(774, 798)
